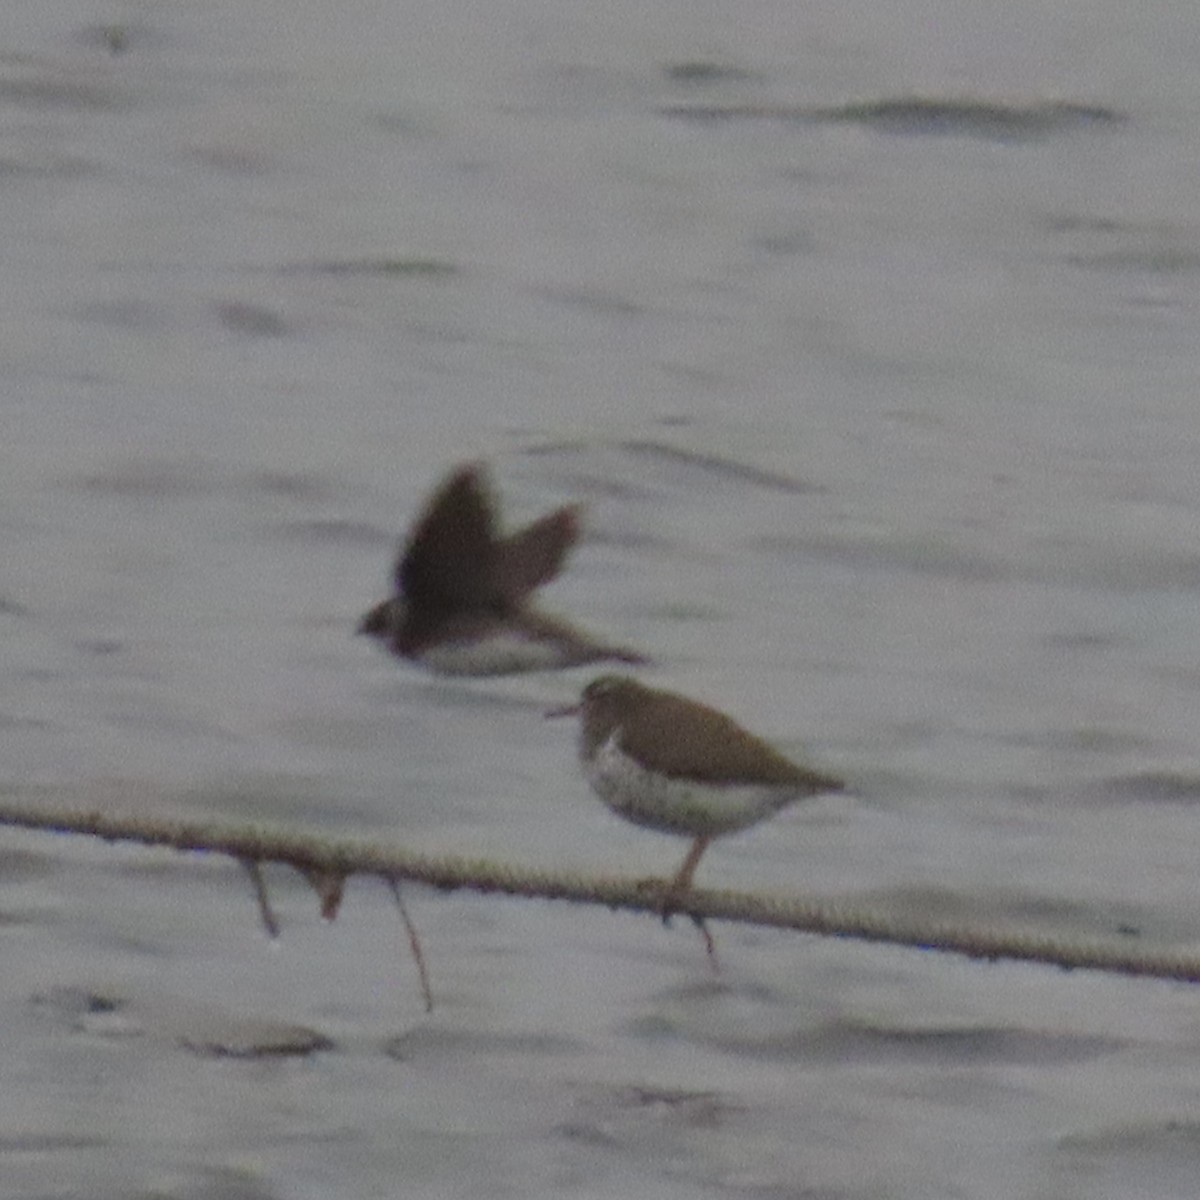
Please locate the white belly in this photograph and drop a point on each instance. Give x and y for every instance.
(505, 652)
(678, 805)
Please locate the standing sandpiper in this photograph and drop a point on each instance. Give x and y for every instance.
(669, 763)
(462, 593)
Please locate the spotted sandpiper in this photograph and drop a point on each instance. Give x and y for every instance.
(462, 593)
(669, 763)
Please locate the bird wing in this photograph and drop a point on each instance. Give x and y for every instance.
(534, 556)
(698, 742)
(448, 560)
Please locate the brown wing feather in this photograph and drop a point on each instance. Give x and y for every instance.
(448, 561)
(534, 556)
(684, 738)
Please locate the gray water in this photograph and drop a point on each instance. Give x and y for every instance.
(886, 422)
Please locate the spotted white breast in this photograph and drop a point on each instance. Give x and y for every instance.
(676, 805)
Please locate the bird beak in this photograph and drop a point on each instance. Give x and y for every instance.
(567, 710)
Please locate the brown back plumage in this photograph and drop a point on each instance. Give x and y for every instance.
(683, 738)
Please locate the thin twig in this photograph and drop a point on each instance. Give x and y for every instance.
(414, 943)
(710, 946)
(266, 913)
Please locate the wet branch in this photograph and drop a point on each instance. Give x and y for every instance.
(333, 861)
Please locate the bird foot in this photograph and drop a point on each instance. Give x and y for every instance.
(662, 895)
(667, 895)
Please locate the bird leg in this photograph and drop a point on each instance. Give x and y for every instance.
(683, 883)
(683, 878)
